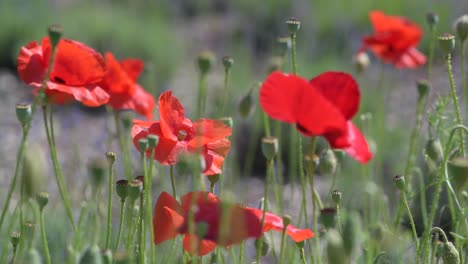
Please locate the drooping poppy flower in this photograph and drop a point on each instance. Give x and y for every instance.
(178, 135)
(323, 106)
(172, 218)
(394, 40)
(120, 83)
(76, 73)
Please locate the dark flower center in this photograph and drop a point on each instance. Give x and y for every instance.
(181, 135)
(58, 80)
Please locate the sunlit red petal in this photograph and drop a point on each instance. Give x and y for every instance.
(31, 65)
(214, 153)
(172, 115)
(167, 219)
(198, 247)
(167, 151)
(75, 63)
(341, 90)
(412, 58)
(140, 101)
(207, 131)
(88, 95)
(116, 81)
(133, 67)
(144, 123)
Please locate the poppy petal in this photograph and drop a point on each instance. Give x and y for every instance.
(197, 198)
(198, 247)
(412, 58)
(358, 149)
(91, 95)
(116, 80)
(143, 123)
(208, 130)
(172, 115)
(133, 67)
(215, 152)
(167, 218)
(167, 151)
(341, 90)
(140, 101)
(31, 66)
(75, 63)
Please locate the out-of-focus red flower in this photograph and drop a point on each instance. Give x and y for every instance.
(121, 84)
(178, 135)
(172, 218)
(76, 73)
(323, 106)
(394, 40)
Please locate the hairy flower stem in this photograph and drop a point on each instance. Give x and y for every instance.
(316, 202)
(431, 51)
(44, 237)
(270, 164)
(171, 169)
(463, 75)
(109, 203)
(122, 207)
(283, 238)
(413, 227)
(123, 146)
(448, 64)
(57, 169)
(202, 94)
(147, 189)
(227, 74)
(141, 230)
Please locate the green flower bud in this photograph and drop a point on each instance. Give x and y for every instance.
(32, 257)
(293, 25)
(352, 233)
(335, 248)
(423, 88)
(434, 150)
(33, 173)
(461, 27)
(98, 171)
(328, 217)
(328, 162)
(205, 60)
(134, 189)
(228, 61)
(55, 33)
(450, 254)
(127, 117)
(92, 255)
(42, 199)
(15, 237)
(106, 256)
(265, 246)
(152, 141)
(143, 144)
(121, 187)
(111, 156)
(213, 179)
(336, 196)
(447, 43)
(458, 172)
(23, 113)
(399, 181)
(269, 147)
(286, 221)
(246, 104)
(432, 19)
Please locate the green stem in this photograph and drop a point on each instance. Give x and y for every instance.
(142, 233)
(202, 93)
(57, 169)
(241, 253)
(265, 204)
(316, 202)
(283, 238)
(266, 122)
(463, 75)
(123, 146)
(293, 52)
(227, 74)
(120, 225)
(414, 137)
(44, 237)
(302, 256)
(431, 52)
(148, 183)
(413, 227)
(448, 64)
(109, 203)
(337, 207)
(174, 194)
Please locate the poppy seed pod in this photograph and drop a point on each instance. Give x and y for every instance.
(293, 25)
(328, 217)
(450, 253)
(134, 189)
(335, 250)
(121, 187)
(336, 196)
(140, 178)
(399, 181)
(447, 43)
(42, 199)
(432, 19)
(33, 173)
(92, 255)
(15, 237)
(228, 61)
(98, 171)
(111, 156)
(458, 172)
(55, 34)
(127, 118)
(286, 221)
(29, 229)
(23, 113)
(423, 88)
(328, 162)
(228, 121)
(284, 45)
(269, 147)
(433, 149)
(461, 26)
(205, 60)
(213, 179)
(152, 141)
(143, 144)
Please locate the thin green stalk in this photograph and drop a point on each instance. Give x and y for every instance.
(171, 169)
(123, 146)
(265, 204)
(448, 64)
(283, 238)
(148, 183)
(414, 137)
(316, 202)
(431, 51)
(413, 227)
(44, 237)
(338, 218)
(15, 254)
(142, 232)
(302, 256)
(202, 93)
(57, 169)
(293, 52)
(266, 122)
(422, 197)
(109, 203)
(120, 225)
(241, 253)
(279, 162)
(463, 74)
(227, 74)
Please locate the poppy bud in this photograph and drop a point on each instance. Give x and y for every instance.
(432, 19)
(126, 117)
(423, 88)
(286, 221)
(141, 178)
(284, 45)
(245, 105)
(134, 189)
(336, 196)
(33, 173)
(433, 149)
(228, 61)
(23, 113)
(106, 255)
(447, 43)
(269, 147)
(399, 181)
(327, 162)
(152, 141)
(32, 257)
(263, 245)
(143, 144)
(351, 233)
(42, 199)
(55, 33)
(293, 25)
(458, 172)
(97, 169)
(450, 253)
(301, 244)
(335, 249)
(461, 26)
(213, 179)
(205, 60)
(361, 61)
(92, 255)
(15, 237)
(228, 121)
(121, 187)
(111, 156)
(328, 217)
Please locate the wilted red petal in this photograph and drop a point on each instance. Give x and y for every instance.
(214, 153)
(133, 67)
(172, 115)
(341, 90)
(198, 247)
(75, 63)
(88, 95)
(167, 219)
(31, 65)
(207, 130)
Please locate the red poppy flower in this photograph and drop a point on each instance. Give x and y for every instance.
(121, 84)
(395, 40)
(77, 71)
(324, 106)
(178, 135)
(171, 218)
